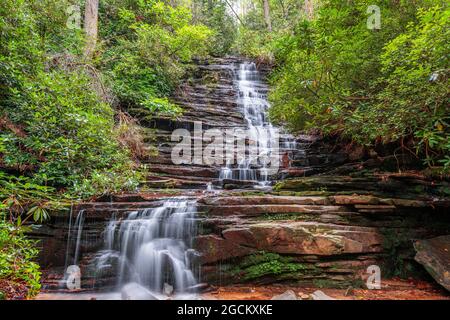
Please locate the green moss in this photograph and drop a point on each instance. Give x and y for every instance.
(274, 267)
(263, 264)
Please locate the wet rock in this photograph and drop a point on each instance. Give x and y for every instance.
(257, 210)
(320, 295)
(201, 287)
(398, 185)
(349, 292)
(263, 200)
(303, 296)
(214, 248)
(185, 170)
(375, 208)
(356, 153)
(354, 199)
(434, 255)
(288, 295)
(297, 172)
(134, 291)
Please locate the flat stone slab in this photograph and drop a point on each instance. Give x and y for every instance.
(288, 295)
(434, 255)
(295, 238)
(264, 200)
(257, 210)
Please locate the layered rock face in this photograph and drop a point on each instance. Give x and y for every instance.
(318, 240)
(244, 236)
(327, 219)
(209, 97)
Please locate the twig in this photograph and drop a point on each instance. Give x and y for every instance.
(235, 13)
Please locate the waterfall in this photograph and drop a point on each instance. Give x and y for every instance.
(151, 248)
(79, 230)
(262, 135)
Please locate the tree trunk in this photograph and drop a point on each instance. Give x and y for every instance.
(267, 15)
(91, 26)
(283, 9)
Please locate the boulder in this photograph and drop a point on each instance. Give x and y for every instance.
(134, 291)
(288, 295)
(305, 238)
(434, 255)
(319, 295)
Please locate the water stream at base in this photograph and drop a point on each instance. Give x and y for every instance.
(149, 252)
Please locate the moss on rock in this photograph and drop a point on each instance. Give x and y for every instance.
(263, 264)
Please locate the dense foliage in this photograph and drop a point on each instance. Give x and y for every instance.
(58, 108)
(372, 86)
(147, 48)
(216, 15)
(55, 128)
(16, 262)
(65, 132)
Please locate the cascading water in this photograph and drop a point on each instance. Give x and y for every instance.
(262, 135)
(151, 248)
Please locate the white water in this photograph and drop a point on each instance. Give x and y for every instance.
(263, 136)
(153, 246)
(150, 249)
(79, 229)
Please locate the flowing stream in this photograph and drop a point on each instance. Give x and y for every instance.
(263, 138)
(149, 252)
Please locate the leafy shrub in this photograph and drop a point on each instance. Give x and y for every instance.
(372, 86)
(215, 15)
(153, 42)
(16, 258)
(69, 132)
(415, 99)
(58, 139)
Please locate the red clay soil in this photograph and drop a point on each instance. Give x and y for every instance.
(13, 290)
(394, 289)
